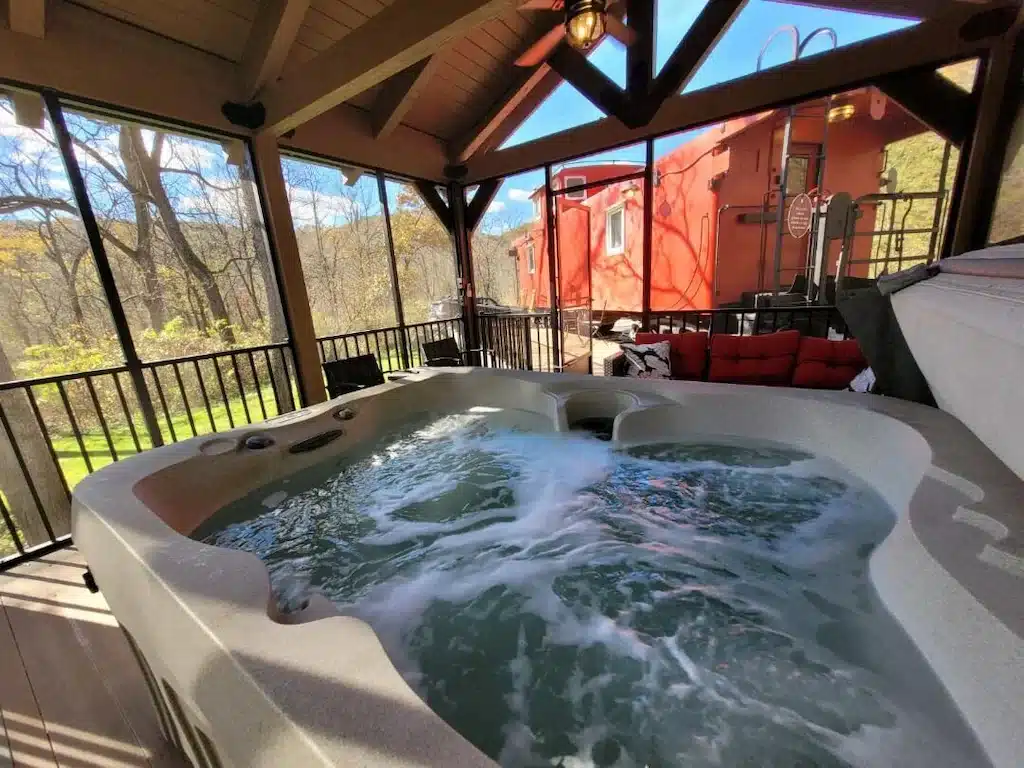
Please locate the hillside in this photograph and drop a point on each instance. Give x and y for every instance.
(917, 161)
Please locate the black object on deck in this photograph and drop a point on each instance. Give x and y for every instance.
(352, 374)
(443, 353)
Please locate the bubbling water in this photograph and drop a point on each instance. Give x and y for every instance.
(561, 601)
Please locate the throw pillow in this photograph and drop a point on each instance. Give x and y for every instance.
(648, 361)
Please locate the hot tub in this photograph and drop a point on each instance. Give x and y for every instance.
(240, 678)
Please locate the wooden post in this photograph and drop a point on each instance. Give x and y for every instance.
(291, 282)
(464, 254)
(396, 288)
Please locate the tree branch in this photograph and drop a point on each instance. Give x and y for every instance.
(16, 203)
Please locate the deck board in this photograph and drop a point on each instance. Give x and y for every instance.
(72, 695)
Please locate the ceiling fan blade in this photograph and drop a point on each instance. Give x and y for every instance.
(619, 30)
(543, 48)
(542, 5)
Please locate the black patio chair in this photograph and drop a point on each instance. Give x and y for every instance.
(352, 374)
(443, 353)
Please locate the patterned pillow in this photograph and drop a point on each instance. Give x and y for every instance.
(648, 361)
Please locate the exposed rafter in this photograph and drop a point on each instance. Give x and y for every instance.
(644, 94)
(931, 43)
(640, 55)
(526, 93)
(692, 50)
(528, 88)
(27, 17)
(935, 101)
(399, 94)
(273, 31)
(397, 37)
(599, 89)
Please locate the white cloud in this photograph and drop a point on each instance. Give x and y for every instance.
(496, 207)
(519, 195)
(332, 210)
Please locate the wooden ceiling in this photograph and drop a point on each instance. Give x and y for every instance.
(408, 85)
(471, 72)
(463, 83)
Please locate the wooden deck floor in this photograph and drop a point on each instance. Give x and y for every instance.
(71, 693)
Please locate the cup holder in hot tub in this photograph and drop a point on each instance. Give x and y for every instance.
(595, 411)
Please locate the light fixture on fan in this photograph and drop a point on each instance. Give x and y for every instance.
(585, 22)
(580, 23)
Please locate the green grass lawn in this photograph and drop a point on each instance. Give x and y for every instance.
(73, 463)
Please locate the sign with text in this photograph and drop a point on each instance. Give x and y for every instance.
(798, 220)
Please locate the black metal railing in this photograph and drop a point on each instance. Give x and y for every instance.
(395, 347)
(823, 321)
(55, 430)
(520, 341)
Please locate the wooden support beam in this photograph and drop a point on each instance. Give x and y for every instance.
(480, 203)
(28, 17)
(529, 89)
(344, 134)
(931, 43)
(397, 37)
(593, 84)
(273, 31)
(399, 94)
(703, 35)
(640, 55)
(293, 283)
(935, 101)
(437, 204)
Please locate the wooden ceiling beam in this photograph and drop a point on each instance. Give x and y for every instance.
(273, 32)
(395, 38)
(931, 43)
(941, 105)
(640, 55)
(399, 94)
(27, 17)
(593, 84)
(701, 38)
(528, 90)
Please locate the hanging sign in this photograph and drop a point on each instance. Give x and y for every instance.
(798, 220)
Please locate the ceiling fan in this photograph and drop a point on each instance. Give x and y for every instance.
(586, 23)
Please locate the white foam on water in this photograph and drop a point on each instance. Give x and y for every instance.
(671, 582)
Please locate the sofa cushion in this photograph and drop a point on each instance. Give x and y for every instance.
(825, 364)
(765, 359)
(689, 352)
(648, 361)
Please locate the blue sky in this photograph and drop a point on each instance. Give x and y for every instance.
(733, 57)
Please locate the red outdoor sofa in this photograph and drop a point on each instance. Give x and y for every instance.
(784, 358)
